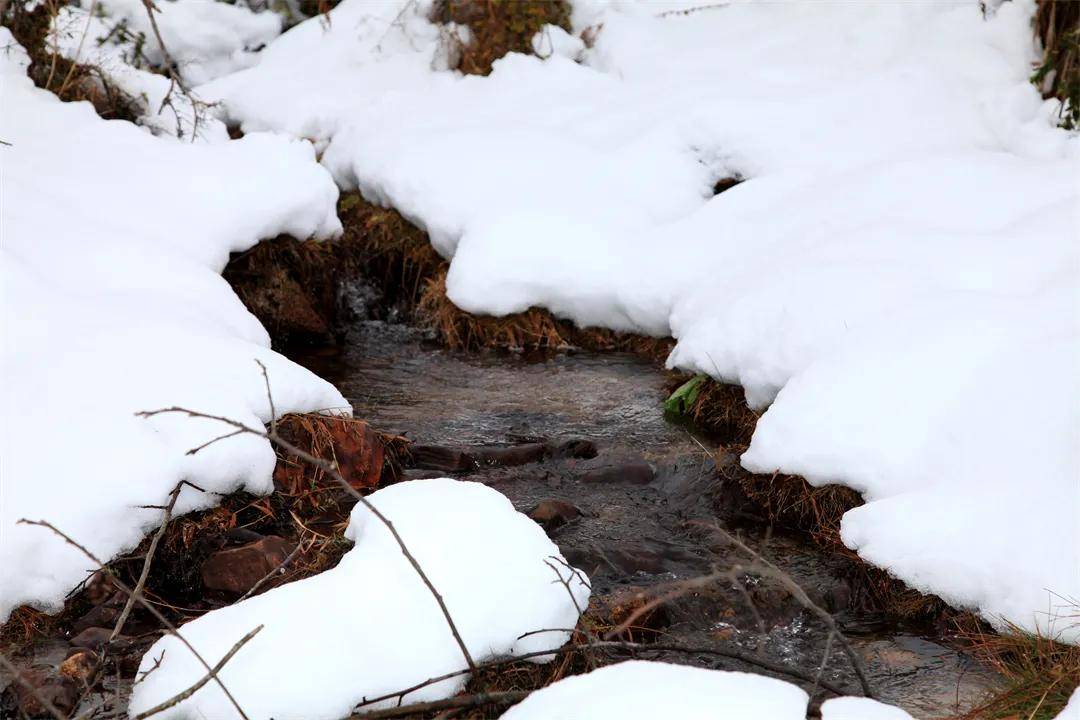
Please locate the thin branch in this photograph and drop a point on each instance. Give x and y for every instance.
(184, 695)
(276, 571)
(458, 701)
(331, 469)
(730, 654)
(130, 603)
(768, 569)
(142, 601)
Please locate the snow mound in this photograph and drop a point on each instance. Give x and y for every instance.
(897, 276)
(206, 38)
(112, 303)
(640, 689)
(369, 626)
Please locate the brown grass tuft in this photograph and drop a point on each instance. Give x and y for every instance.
(30, 26)
(499, 27)
(24, 626)
(1040, 674)
(1057, 25)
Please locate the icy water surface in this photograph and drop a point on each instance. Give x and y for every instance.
(640, 529)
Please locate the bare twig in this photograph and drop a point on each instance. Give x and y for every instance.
(134, 596)
(331, 469)
(184, 695)
(276, 571)
(728, 653)
(142, 601)
(766, 568)
(458, 701)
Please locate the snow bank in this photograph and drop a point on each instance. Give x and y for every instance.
(369, 626)
(1072, 709)
(112, 303)
(640, 689)
(897, 276)
(206, 38)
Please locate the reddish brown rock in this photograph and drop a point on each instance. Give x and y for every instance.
(552, 514)
(511, 456)
(359, 451)
(634, 472)
(237, 570)
(443, 459)
(91, 638)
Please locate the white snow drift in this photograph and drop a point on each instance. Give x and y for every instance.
(897, 279)
(639, 690)
(369, 626)
(112, 302)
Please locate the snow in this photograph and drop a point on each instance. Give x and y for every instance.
(857, 708)
(1071, 711)
(896, 281)
(206, 38)
(112, 301)
(640, 689)
(369, 626)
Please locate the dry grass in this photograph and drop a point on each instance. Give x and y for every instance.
(498, 27)
(24, 626)
(1040, 674)
(1057, 25)
(30, 25)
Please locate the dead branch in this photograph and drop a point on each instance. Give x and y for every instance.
(458, 701)
(184, 695)
(766, 568)
(762, 567)
(170, 627)
(331, 469)
(141, 583)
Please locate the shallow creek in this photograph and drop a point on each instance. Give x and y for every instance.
(638, 528)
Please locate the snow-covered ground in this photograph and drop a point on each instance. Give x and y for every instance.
(369, 627)
(896, 280)
(113, 244)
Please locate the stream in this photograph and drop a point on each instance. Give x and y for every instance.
(645, 501)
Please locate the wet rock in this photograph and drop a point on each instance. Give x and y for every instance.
(443, 459)
(634, 472)
(80, 667)
(96, 638)
(358, 450)
(99, 588)
(612, 610)
(91, 638)
(103, 615)
(37, 684)
(552, 514)
(509, 456)
(237, 570)
(575, 448)
(417, 474)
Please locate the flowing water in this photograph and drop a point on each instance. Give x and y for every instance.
(647, 501)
